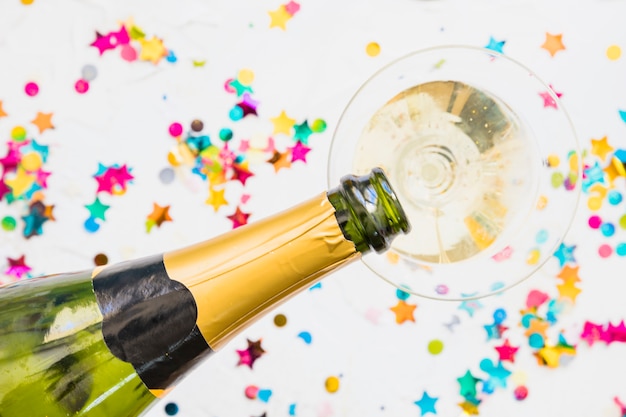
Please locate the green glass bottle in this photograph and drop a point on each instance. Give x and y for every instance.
(111, 341)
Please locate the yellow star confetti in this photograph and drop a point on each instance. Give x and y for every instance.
(553, 43)
(43, 121)
(152, 50)
(569, 291)
(283, 123)
(216, 198)
(21, 182)
(601, 148)
(279, 17)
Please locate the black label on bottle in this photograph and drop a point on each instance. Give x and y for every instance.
(149, 320)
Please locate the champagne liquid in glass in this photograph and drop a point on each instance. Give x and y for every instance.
(461, 164)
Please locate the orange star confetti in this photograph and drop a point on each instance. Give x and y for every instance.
(404, 311)
(569, 274)
(158, 216)
(43, 121)
(2, 112)
(553, 43)
(280, 160)
(537, 326)
(601, 148)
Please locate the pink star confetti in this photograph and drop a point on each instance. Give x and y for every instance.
(17, 267)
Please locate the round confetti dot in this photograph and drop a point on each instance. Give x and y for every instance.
(251, 391)
(613, 52)
(91, 225)
(171, 57)
(318, 125)
(594, 203)
(197, 125)
(332, 384)
(542, 236)
(570, 182)
(100, 259)
(31, 89)
(614, 197)
(128, 53)
(372, 49)
(176, 129)
(533, 257)
(557, 179)
(435, 347)
(605, 251)
(280, 320)
(622, 222)
(526, 319)
(520, 393)
(553, 161)
(594, 222)
(620, 249)
(18, 133)
(31, 161)
(536, 341)
(607, 229)
(81, 86)
(245, 77)
(442, 289)
(402, 295)
(226, 134)
(27, 2)
(171, 409)
(167, 175)
(499, 315)
(236, 113)
(8, 223)
(89, 72)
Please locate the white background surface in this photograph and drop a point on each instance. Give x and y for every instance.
(309, 70)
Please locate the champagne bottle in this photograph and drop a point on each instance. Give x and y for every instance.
(110, 341)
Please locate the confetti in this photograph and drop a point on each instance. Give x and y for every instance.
(332, 384)
(553, 43)
(17, 267)
(31, 89)
(435, 347)
(159, 215)
(251, 354)
(171, 409)
(426, 404)
(100, 259)
(613, 52)
(403, 311)
(372, 49)
(280, 320)
(495, 45)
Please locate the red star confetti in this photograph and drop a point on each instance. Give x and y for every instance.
(506, 352)
(239, 218)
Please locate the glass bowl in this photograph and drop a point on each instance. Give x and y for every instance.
(483, 158)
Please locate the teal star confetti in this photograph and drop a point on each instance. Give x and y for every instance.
(468, 385)
(565, 254)
(426, 404)
(495, 45)
(302, 132)
(97, 209)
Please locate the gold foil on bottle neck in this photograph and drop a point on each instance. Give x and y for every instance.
(239, 276)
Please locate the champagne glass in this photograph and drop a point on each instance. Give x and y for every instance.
(482, 157)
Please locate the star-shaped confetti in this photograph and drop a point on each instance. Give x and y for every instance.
(506, 352)
(35, 219)
(468, 385)
(159, 215)
(152, 50)
(601, 148)
(283, 123)
(2, 112)
(216, 198)
(495, 45)
(97, 209)
(239, 218)
(404, 311)
(470, 407)
(565, 254)
(553, 43)
(280, 160)
(21, 182)
(548, 98)
(249, 355)
(17, 267)
(426, 404)
(279, 17)
(302, 132)
(114, 179)
(299, 152)
(43, 121)
(569, 291)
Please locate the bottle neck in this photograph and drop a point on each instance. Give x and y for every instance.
(368, 211)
